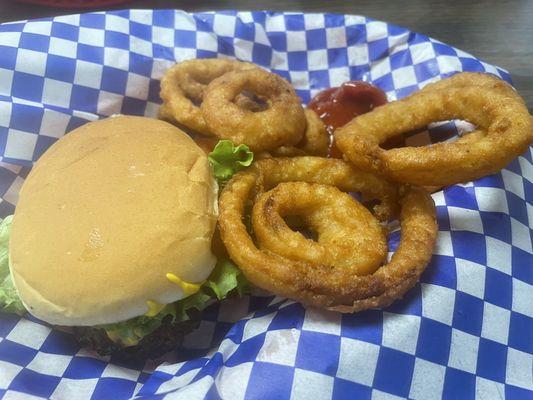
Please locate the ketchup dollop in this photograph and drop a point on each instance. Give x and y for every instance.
(338, 106)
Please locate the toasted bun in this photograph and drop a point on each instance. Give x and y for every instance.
(105, 214)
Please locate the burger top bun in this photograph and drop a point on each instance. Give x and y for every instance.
(105, 214)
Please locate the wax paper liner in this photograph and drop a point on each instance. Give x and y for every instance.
(464, 332)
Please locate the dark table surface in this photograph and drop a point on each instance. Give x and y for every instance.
(499, 32)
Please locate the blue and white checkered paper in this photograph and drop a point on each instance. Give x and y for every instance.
(464, 332)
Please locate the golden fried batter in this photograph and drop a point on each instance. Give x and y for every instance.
(282, 123)
(349, 236)
(504, 131)
(183, 88)
(321, 284)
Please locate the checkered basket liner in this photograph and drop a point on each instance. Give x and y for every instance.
(465, 331)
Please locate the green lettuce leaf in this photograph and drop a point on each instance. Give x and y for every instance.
(225, 279)
(9, 299)
(226, 159)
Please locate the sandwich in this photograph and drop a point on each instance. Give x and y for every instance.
(112, 237)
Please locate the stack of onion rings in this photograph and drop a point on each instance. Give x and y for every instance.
(318, 278)
(315, 141)
(235, 100)
(183, 87)
(345, 268)
(504, 132)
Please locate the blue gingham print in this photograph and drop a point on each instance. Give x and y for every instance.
(465, 331)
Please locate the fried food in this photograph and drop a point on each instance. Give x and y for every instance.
(334, 173)
(183, 88)
(282, 123)
(264, 208)
(314, 143)
(316, 138)
(302, 276)
(265, 111)
(341, 223)
(504, 131)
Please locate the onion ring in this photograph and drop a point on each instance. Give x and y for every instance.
(183, 87)
(504, 131)
(283, 123)
(342, 224)
(475, 78)
(324, 285)
(316, 138)
(314, 143)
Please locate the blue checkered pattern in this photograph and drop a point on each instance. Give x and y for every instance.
(464, 332)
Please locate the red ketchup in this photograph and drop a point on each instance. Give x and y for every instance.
(338, 106)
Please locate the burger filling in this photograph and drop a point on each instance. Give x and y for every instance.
(225, 279)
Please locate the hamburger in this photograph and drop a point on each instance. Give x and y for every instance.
(112, 236)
